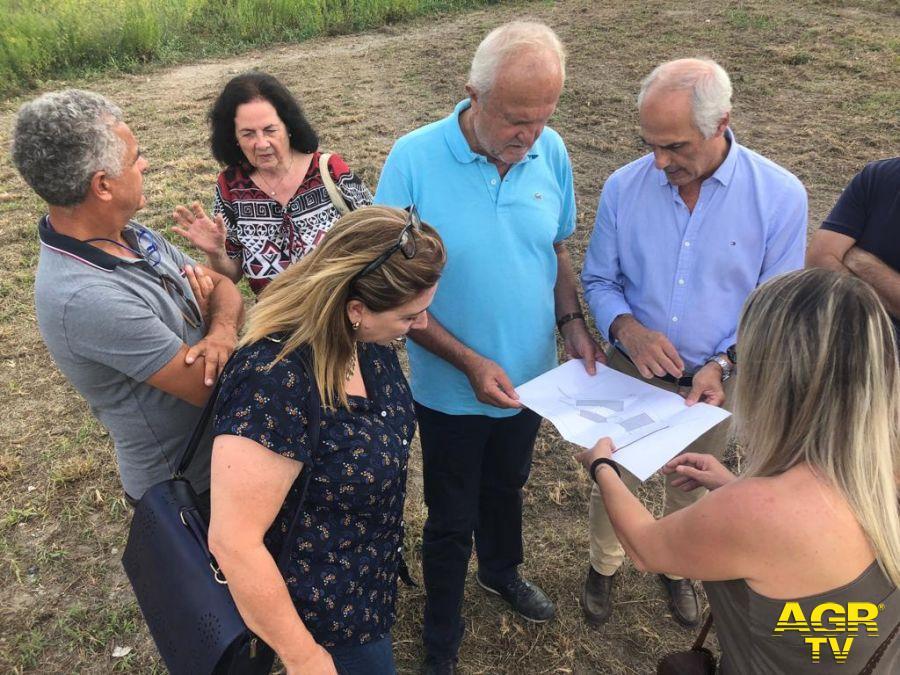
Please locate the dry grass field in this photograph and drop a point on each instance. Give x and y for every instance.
(817, 89)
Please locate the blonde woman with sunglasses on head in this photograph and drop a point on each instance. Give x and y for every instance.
(805, 545)
(369, 281)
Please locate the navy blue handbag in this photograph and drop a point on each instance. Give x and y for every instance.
(181, 592)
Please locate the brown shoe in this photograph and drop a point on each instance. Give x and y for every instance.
(682, 600)
(596, 597)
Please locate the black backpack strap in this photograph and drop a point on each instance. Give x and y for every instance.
(187, 455)
(314, 416)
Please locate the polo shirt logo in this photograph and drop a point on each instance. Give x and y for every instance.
(538, 196)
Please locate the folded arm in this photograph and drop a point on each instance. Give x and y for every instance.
(839, 252)
(193, 370)
(884, 279)
(827, 249)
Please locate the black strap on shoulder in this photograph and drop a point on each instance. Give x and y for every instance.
(187, 455)
(314, 415)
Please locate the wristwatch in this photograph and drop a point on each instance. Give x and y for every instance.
(724, 364)
(731, 353)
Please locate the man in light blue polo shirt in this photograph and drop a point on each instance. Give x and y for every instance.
(682, 236)
(497, 185)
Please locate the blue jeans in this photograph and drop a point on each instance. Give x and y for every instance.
(372, 658)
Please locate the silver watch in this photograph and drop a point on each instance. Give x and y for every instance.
(724, 364)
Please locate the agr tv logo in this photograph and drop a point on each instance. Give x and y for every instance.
(831, 627)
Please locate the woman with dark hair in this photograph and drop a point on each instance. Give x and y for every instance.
(321, 336)
(273, 201)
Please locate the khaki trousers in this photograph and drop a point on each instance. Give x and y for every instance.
(606, 552)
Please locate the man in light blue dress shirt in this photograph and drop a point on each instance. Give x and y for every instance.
(682, 236)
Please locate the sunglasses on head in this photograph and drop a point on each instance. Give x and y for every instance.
(406, 244)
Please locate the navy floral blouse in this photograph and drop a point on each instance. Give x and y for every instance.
(343, 567)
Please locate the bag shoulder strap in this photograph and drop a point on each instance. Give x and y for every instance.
(335, 195)
(314, 415)
(187, 455)
(704, 631)
(314, 404)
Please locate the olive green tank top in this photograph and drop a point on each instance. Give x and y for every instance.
(833, 632)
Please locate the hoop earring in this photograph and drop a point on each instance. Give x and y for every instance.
(355, 325)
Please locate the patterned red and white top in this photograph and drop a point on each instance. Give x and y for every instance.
(268, 238)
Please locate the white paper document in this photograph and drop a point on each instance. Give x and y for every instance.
(648, 425)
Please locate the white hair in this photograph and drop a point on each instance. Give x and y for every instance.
(507, 40)
(708, 83)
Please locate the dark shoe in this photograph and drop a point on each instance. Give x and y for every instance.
(682, 600)
(439, 667)
(596, 597)
(526, 599)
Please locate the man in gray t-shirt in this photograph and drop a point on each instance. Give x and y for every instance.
(138, 327)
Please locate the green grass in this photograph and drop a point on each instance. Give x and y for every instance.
(742, 20)
(16, 516)
(60, 37)
(65, 602)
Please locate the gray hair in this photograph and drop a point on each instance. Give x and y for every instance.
(506, 40)
(708, 83)
(61, 139)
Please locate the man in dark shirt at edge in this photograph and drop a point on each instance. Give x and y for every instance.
(860, 235)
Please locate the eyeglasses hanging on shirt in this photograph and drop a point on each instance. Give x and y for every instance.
(149, 251)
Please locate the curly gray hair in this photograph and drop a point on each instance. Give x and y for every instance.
(61, 139)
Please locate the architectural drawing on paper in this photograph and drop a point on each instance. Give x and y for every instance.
(631, 414)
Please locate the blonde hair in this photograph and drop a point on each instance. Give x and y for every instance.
(307, 302)
(818, 383)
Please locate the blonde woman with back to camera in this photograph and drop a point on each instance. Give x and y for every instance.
(805, 545)
(369, 281)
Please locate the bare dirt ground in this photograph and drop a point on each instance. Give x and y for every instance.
(817, 89)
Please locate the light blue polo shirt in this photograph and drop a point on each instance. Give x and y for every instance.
(496, 292)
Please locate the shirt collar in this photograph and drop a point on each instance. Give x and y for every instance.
(459, 146)
(77, 249)
(726, 169)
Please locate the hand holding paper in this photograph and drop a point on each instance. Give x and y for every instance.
(649, 426)
(603, 448)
